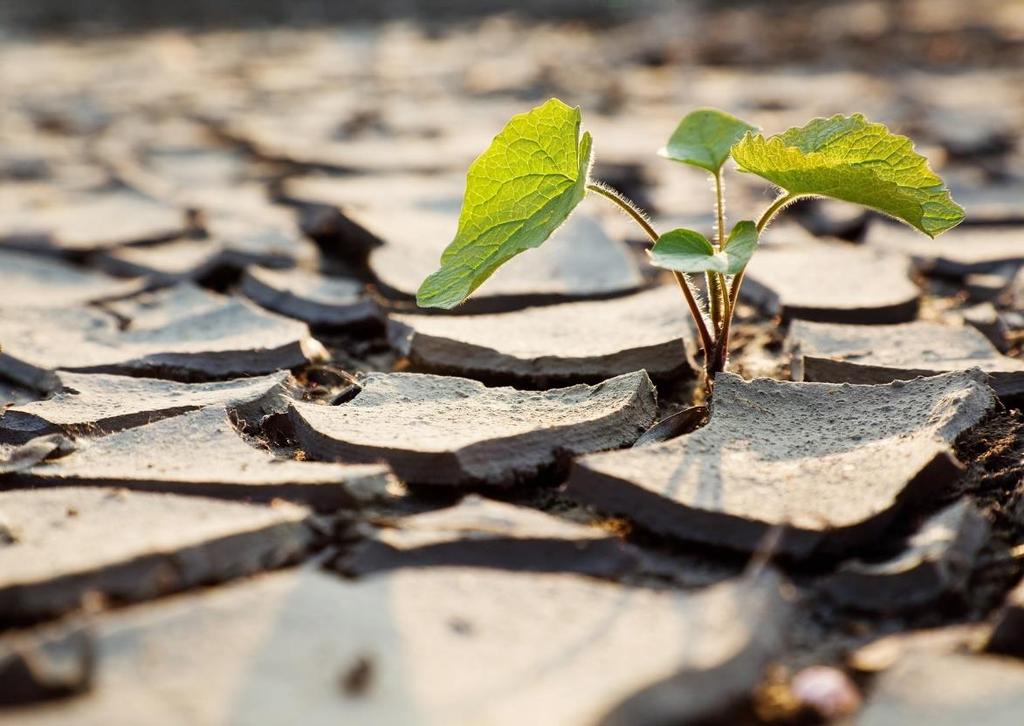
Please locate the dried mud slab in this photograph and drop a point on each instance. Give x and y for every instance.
(96, 404)
(35, 343)
(329, 207)
(253, 233)
(832, 463)
(728, 662)
(198, 259)
(196, 336)
(320, 301)
(200, 453)
(444, 646)
(884, 353)
(11, 394)
(345, 131)
(19, 457)
(127, 546)
(479, 532)
(307, 143)
(937, 562)
(831, 218)
(36, 667)
(437, 192)
(967, 134)
(90, 222)
(938, 688)
(962, 251)
(1008, 634)
(456, 432)
(557, 344)
(31, 281)
(990, 322)
(166, 263)
(832, 282)
(580, 261)
(991, 205)
(159, 308)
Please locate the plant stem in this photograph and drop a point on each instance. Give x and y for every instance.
(707, 342)
(737, 281)
(763, 221)
(777, 206)
(716, 298)
(626, 205)
(720, 209)
(717, 290)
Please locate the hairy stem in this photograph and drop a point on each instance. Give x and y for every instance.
(737, 281)
(717, 292)
(626, 205)
(777, 206)
(763, 221)
(719, 209)
(706, 341)
(716, 298)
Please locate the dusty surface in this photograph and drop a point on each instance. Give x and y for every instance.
(790, 455)
(333, 157)
(412, 645)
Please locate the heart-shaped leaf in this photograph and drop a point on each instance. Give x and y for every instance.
(848, 158)
(704, 137)
(684, 250)
(517, 193)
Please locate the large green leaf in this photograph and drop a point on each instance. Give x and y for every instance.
(704, 137)
(517, 193)
(684, 250)
(848, 158)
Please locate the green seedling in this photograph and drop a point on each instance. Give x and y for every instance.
(537, 170)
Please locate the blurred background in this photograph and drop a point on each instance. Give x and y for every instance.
(314, 70)
(216, 105)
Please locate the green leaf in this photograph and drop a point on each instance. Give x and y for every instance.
(704, 137)
(517, 193)
(740, 246)
(684, 250)
(848, 158)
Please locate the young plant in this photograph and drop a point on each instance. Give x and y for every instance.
(537, 170)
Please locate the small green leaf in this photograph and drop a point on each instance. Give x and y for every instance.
(684, 250)
(704, 137)
(517, 193)
(740, 246)
(848, 158)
